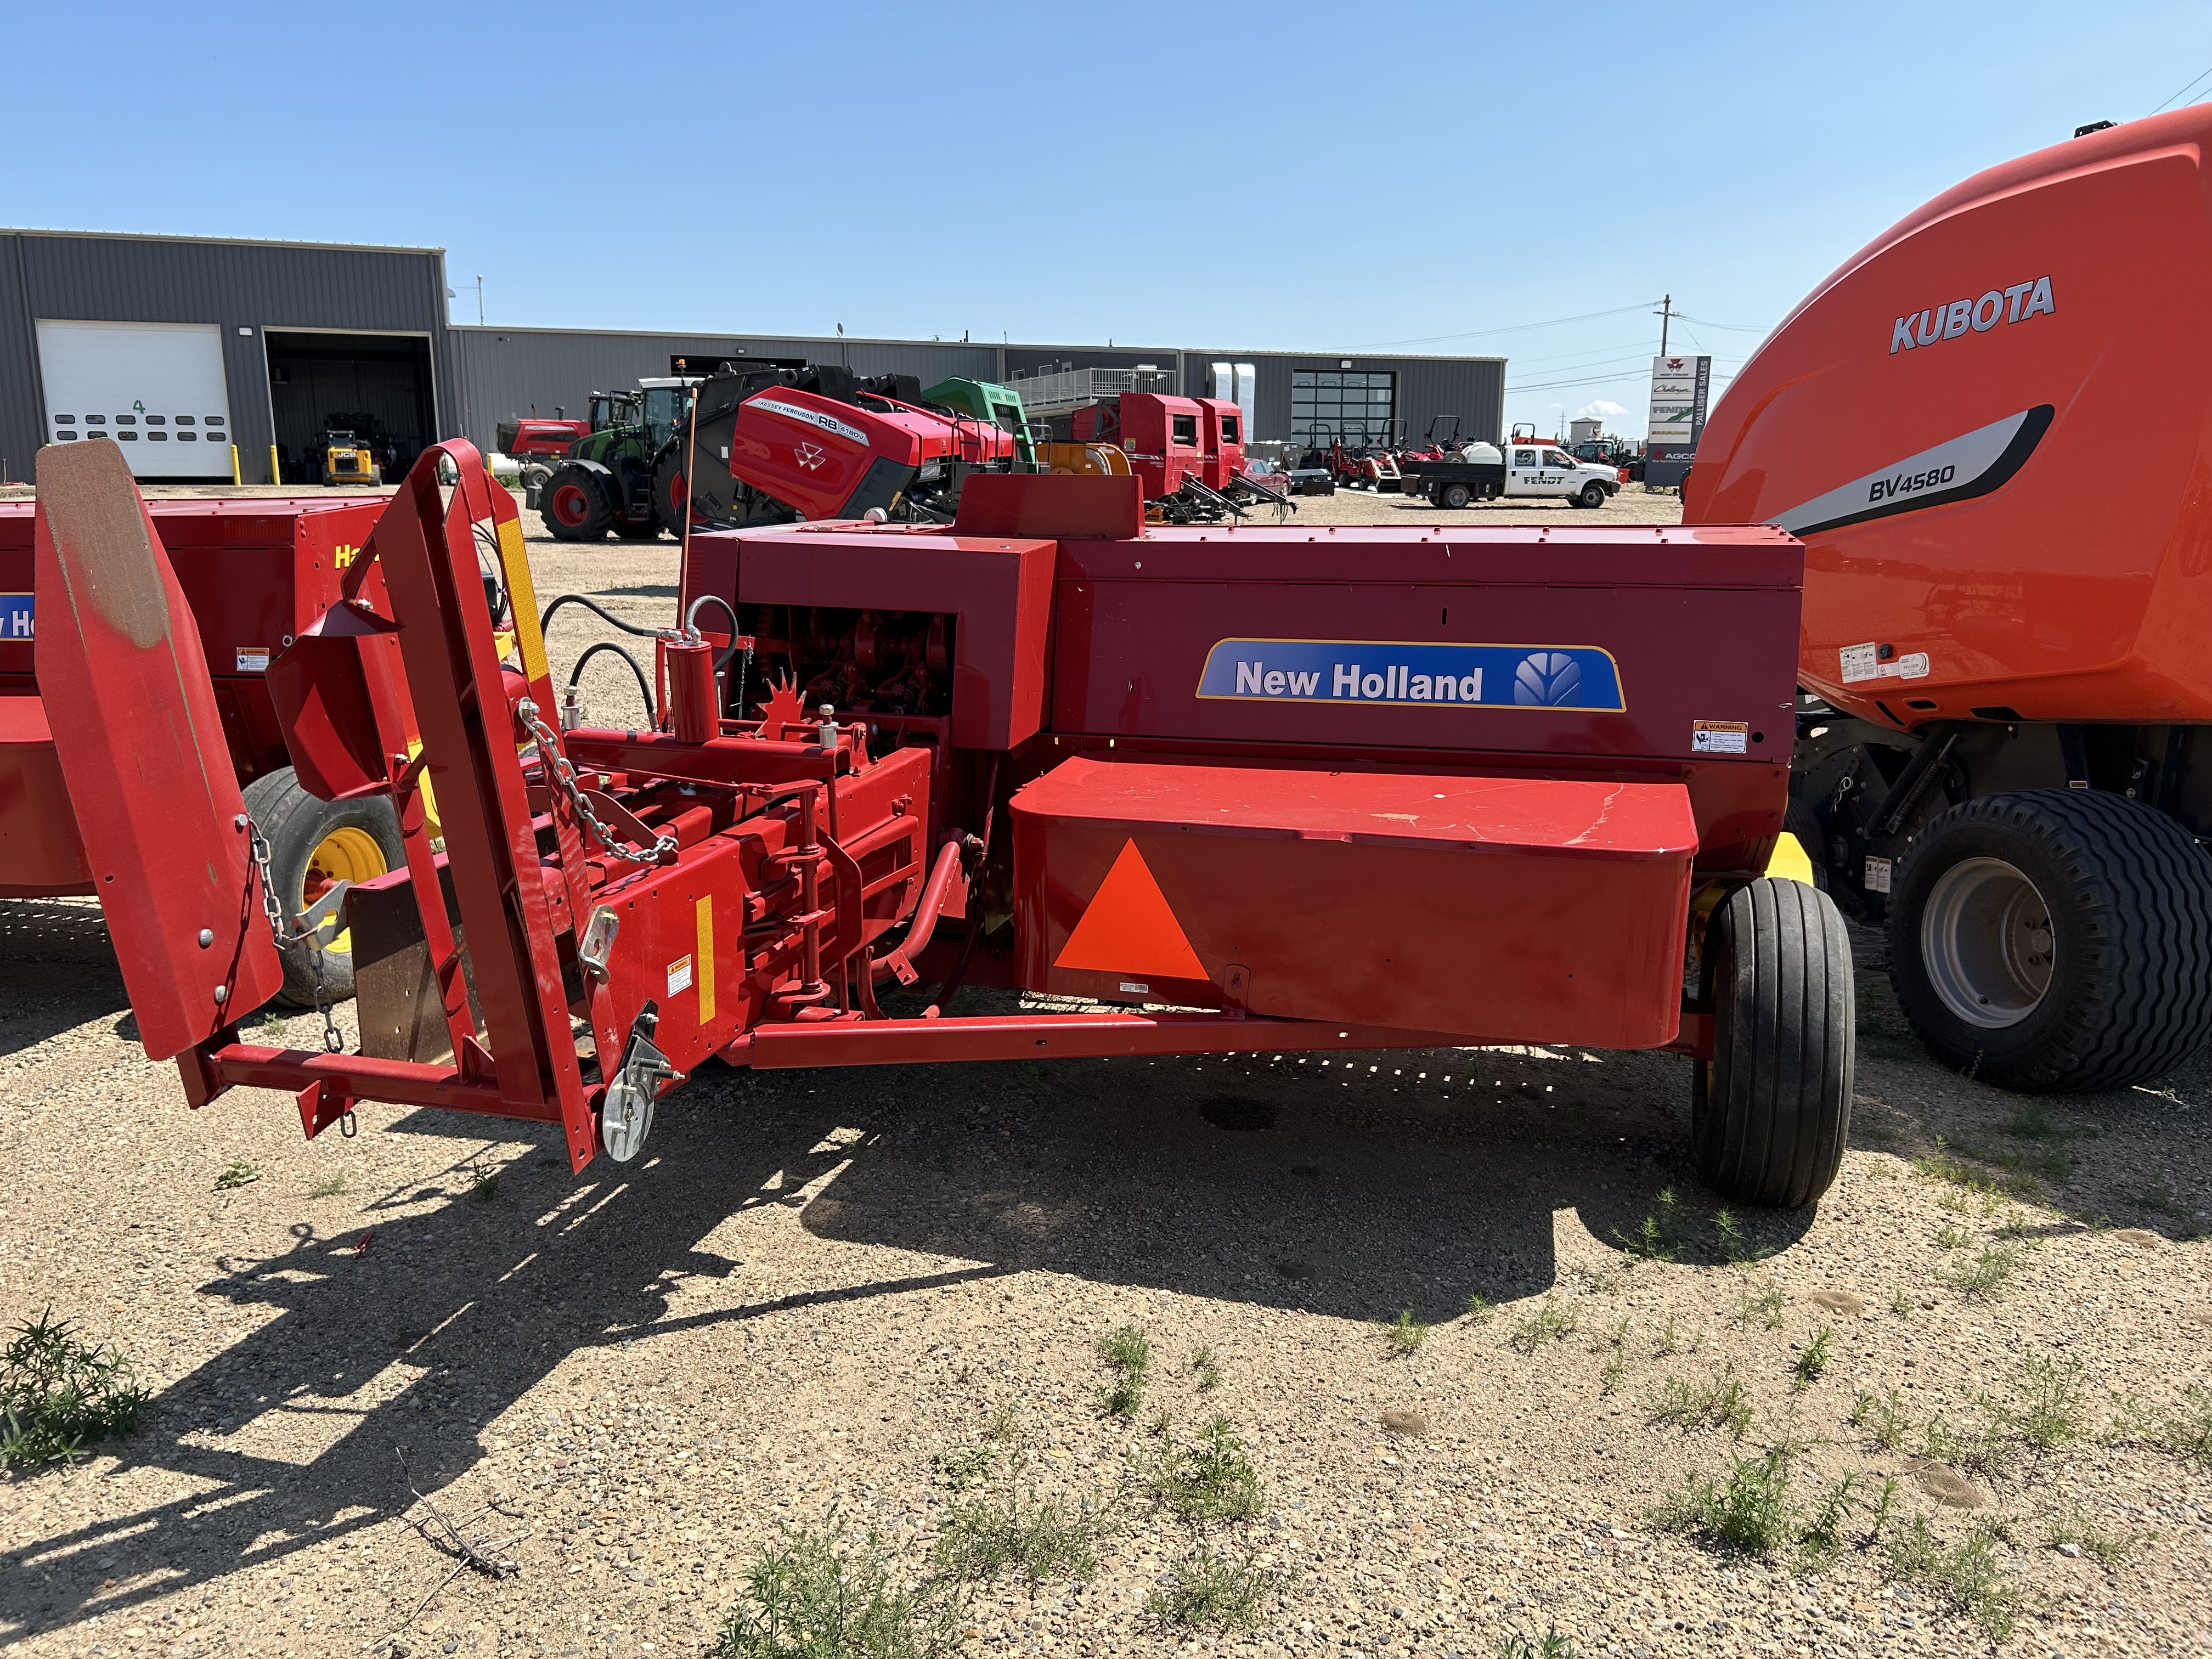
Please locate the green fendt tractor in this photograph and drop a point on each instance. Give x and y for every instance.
(605, 481)
(1001, 405)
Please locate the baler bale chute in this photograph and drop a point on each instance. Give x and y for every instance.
(1990, 428)
(1240, 789)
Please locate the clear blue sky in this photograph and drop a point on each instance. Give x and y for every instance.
(1278, 176)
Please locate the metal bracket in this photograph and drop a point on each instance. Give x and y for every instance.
(598, 941)
(626, 1116)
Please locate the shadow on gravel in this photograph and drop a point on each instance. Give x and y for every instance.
(1352, 1189)
(57, 969)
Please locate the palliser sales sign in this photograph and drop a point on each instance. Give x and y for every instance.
(1680, 387)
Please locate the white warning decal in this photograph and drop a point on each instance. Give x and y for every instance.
(1865, 662)
(1720, 738)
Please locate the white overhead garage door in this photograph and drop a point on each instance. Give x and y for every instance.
(156, 388)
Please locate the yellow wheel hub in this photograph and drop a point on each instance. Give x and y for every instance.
(348, 854)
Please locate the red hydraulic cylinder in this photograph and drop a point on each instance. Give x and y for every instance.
(687, 668)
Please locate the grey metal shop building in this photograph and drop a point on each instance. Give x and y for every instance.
(205, 354)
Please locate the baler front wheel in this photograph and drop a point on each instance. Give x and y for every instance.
(1770, 1112)
(313, 844)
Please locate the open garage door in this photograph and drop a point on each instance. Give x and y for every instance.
(156, 388)
(377, 386)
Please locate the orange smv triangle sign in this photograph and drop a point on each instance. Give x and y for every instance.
(1129, 928)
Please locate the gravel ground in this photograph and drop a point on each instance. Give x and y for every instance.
(818, 1287)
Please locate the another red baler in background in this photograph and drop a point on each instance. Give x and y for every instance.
(1241, 790)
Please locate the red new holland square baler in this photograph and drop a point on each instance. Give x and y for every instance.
(1233, 789)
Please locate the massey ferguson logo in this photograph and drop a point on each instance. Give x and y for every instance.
(2016, 304)
(809, 455)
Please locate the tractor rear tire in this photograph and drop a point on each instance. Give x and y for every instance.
(2053, 940)
(573, 507)
(313, 843)
(1453, 496)
(1770, 1112)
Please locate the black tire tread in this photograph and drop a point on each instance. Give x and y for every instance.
(288, 816)
(2144, 888)
(1770, 1124)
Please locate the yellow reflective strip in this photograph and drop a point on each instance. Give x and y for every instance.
(705, 959)
(522, 598)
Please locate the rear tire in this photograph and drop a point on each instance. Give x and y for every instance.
(1770, 1112)
(573, 507)
(312, 843)
(1453, 496)
(2055, 939)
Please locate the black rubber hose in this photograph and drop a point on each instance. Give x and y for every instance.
(597, 610)
(644, 687)
(691, 622)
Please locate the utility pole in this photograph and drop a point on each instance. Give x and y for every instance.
(1665, 314)
(480, 304)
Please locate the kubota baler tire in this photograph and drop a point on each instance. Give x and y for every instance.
(573, 507)
(313, 843)
(1592, 495)
(2054, 940)
(1800, 820)
(1770, 1112)
(1453, 496)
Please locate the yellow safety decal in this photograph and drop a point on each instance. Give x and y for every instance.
(1790, 862)
(706, 960)
(522, 598)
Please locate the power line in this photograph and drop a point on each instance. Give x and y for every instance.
(1737, 328)
(1517, 328)
(2189, 88)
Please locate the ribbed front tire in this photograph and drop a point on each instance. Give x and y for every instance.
(2055, 939)
(1770, 1112)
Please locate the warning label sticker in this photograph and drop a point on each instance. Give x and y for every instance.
(679, 976)
(1877, 875)
(1720, 736)
(1864, 662)
(252, 658)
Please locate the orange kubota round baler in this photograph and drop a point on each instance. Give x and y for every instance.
(1992, 429)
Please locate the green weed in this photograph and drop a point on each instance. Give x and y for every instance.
(1479, 1306)
(2188, 1431)
(2048, 1409)
(1208, 1591)
(808, 1599)
(1128, 1354)
(237, 1173)
(1012, 1528)
(1760, 1306)
(1964, 1577)
(1822, 1536)
(2102, 1547)
(1550, 1645)
(1901, 1304)
(1748, 1509)
(1210, 1479)
(1715, 1403)
(333, 1188)
(1206, 1369)
(1951, 1237)
(483, 1184)
(57, 1394)
(1812, 1359)
(1730, 1239)
(1985, 1275)
(1404, 1334)
(1660, 1237)
(1616, 1365)
(1550, 1323)
(1983, 1451)
(1883, 1416)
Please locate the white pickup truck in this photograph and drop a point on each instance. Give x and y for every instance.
(1484, 473)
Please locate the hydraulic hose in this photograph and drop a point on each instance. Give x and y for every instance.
(644, 687)
(691, 622)
(597, 610)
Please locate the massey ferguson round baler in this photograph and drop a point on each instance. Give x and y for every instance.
(1991, 429)
(1230, 790)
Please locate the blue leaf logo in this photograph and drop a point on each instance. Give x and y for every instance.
(1547, 679)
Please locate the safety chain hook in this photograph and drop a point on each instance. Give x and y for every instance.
(333, 1039)
(563, 774)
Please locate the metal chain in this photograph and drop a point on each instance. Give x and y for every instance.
(333, 1039)
(563, 774)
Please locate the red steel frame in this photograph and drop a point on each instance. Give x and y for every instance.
(764, 865)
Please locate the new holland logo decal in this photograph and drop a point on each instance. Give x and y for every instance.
(1411, 673)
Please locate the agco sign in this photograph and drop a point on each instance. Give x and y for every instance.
(2016, 304)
